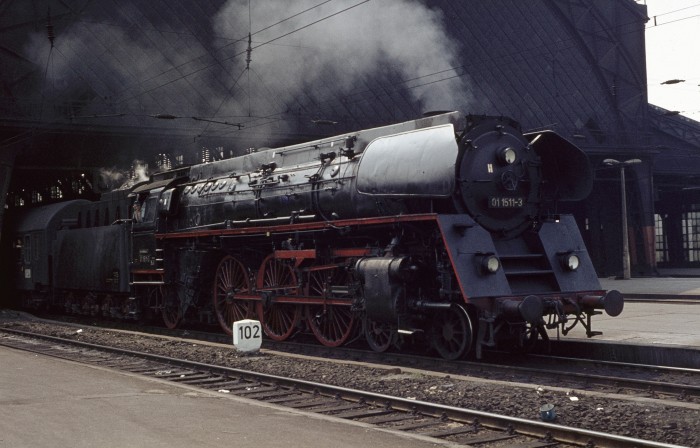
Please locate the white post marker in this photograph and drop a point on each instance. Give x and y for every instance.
(247, 335)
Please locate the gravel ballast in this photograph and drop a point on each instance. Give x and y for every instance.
(673, 422)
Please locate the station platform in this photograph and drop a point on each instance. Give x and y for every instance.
(673, 321)
(47, 402)
(667, 323)
(667, 288)
(660, 324)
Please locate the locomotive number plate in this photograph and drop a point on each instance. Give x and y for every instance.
(506, 202)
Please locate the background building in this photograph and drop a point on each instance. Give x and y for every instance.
(95, 93)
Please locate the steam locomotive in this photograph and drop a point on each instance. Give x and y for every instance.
(442, 229)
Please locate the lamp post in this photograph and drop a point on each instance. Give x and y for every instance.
(623, 192)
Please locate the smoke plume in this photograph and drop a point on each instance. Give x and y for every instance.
(115, 67)
(339, 55)
(116, 179)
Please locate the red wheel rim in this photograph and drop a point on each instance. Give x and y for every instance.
(230, 280)
(171, 312)
(278, 319)
(331, 324)
(379, 336)
(171, 316)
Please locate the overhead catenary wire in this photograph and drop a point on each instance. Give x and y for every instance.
(669, 52)
(569, 43)
(236, 40)
(279, 37)
(209, 53)
(4, 143)
(405, 82)
(653, 18)
(243, 52)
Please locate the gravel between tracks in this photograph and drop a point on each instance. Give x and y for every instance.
(644, 419)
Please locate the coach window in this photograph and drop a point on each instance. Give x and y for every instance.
(35, 247)
(27, 249)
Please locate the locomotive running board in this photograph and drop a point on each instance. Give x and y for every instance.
(290, 228)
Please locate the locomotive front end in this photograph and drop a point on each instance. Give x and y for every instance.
(518, 261)
(499, 176)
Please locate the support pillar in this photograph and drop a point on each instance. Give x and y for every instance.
(644, 250)
(7, 162)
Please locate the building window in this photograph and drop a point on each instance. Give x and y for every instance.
(691, 236)
(661, 242)
(56, 192)
(163, 162)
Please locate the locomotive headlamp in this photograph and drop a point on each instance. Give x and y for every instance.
(492, 264)
(489, 263)
(570, 261)
(507, 156)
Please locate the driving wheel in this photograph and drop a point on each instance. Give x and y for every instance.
(231, 279)
(277, 319)
(452, 332)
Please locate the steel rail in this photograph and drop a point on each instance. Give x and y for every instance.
(406, 359)
(522, 426)
(670, 369)
(679, 389)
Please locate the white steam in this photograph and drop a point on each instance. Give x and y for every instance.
(340, 55)
(111, 178)
(116, 179)
(334, 58)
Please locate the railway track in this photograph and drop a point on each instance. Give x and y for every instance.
(631, 379)
(576, 373)
(683, 383)
(460, 425)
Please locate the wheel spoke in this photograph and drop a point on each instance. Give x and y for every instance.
(331, 324)
(170, 310)
(452, 332)
(379, 336)
(231, 279)
(277, 319)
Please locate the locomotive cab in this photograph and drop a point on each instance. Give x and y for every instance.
(144, 225)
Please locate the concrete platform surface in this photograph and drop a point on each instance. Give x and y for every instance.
(655, 287)
(46, 402)
(647, 323)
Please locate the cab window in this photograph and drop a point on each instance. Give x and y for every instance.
(148, 211)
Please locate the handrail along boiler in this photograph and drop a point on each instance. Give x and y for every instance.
(443, 228)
